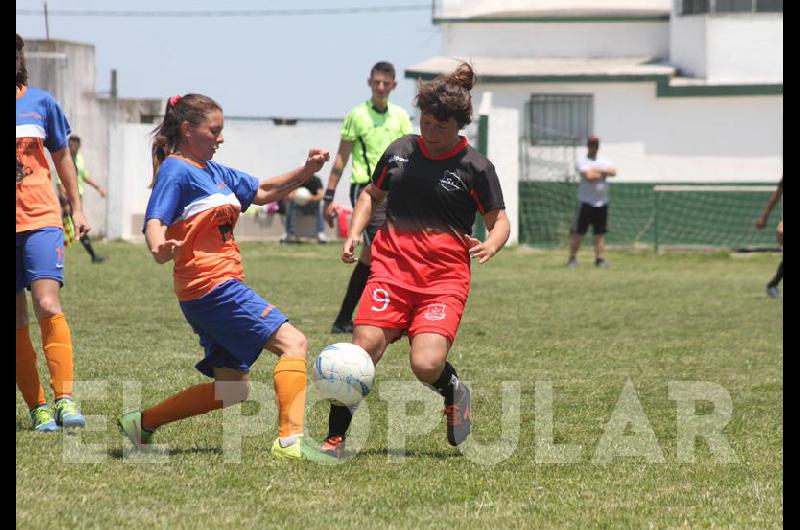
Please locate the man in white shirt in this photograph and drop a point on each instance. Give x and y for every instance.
(592, 203)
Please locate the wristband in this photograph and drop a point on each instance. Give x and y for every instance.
(329, 195)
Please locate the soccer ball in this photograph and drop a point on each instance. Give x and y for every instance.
(343, 374)
(302, 196)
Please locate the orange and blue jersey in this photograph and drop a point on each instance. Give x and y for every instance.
(41, 125)
(200, 204)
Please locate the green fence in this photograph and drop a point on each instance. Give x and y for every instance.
(646, 214)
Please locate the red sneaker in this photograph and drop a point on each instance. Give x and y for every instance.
(333, 446)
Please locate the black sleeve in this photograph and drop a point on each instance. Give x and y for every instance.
(313, 185)
(487, 191)
(381, 177)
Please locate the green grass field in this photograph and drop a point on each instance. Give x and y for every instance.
(650, 320)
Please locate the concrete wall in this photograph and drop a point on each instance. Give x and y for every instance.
(67, 70)
(698, 139)
(687, 45)
(729, 47)
(745, 47)
(503, 151)
(468, 8)
(256, 148)
(530, 39)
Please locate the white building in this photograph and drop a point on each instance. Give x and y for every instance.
(115, 134)
(67, 71)
(687, 91)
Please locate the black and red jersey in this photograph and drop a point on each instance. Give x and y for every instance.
(432, 203)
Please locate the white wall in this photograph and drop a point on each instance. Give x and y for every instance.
(503, 151)
(745, 47)
(529, 39)
(468, 8)
(729, 47)
(687, 45)
(67, 70)
(259, 149)
(697, 139)
(129, 176)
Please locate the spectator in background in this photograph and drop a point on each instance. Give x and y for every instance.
(593, 204)
(772, 286)
(312, 207)
(83, 176)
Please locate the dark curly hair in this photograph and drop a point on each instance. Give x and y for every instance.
(448, 96)
(22, 72)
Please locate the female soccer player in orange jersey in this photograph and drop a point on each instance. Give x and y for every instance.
(41, 125)
(190, 217)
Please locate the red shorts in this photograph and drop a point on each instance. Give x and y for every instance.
(389, 306)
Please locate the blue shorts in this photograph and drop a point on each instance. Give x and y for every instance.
(40, 255)
(233, 323)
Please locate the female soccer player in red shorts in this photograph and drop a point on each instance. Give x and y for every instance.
(190, 217)
(434, 183)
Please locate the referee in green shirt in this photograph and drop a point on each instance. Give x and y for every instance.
(366, 133)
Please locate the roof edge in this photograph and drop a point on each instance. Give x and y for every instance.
(561, 16)
(663, 87)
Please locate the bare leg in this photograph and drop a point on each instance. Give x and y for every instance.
(599, 246)
(574, 245)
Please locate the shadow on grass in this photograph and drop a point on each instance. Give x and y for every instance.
(117, 454)
(411, 453)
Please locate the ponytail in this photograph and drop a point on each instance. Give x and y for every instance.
(448, 96)
(464, 76)
(193, 108)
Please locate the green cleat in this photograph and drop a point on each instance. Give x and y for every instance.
(315, 452)
(43, 421)
(131, 425)
(300, 450)
(68, 415)
(293, 451)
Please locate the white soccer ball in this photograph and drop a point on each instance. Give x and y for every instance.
(301, 196)
(343, 374)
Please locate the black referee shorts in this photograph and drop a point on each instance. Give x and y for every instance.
(586, 215)
(378, 220)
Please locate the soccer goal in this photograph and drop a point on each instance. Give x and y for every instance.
(711, 216)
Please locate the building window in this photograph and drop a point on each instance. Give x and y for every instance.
(559, 119)
(693, 7)
(733, 6)
(769, 6)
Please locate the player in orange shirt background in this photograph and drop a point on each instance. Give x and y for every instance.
(41, 125)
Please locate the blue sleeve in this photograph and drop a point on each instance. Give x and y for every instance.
(57, 126)
(165, 199)
(242, 185)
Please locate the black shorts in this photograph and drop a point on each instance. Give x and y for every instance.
(378, 220)
(586, 215)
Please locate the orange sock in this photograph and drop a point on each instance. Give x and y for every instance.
(192, 401)
(27, 374)
(57, 346)
(290, 387)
